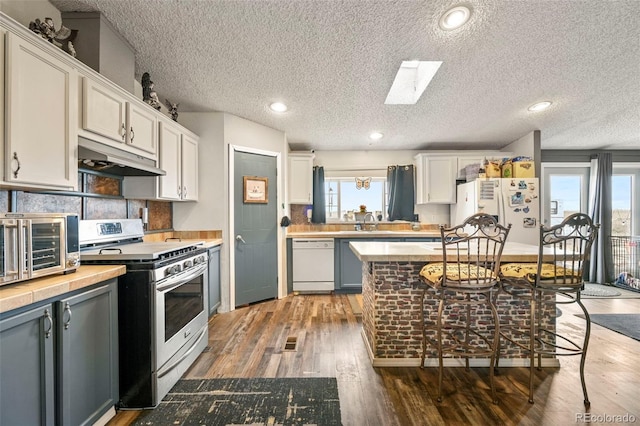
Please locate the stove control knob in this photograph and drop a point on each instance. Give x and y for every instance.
(177, 268)
(202, 260)
(167, 272)
(188, 263)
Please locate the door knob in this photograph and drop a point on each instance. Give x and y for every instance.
(239, 238)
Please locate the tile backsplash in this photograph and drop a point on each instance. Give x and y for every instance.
(99, 198)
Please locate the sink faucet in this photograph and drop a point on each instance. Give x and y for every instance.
(364, 222)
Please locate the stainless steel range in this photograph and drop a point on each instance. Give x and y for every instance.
(162, 305)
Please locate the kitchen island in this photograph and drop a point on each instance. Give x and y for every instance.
(392, 292)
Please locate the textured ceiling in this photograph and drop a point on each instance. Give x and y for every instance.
(332, 63)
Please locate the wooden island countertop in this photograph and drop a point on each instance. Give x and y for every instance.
(430, 252)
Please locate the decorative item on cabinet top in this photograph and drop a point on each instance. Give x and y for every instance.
(148, 94)
(62, 38)
(173, 109)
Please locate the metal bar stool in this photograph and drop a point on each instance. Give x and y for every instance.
(466, 278)
(567, 247)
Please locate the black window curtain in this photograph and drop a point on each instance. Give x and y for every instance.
(600, 210)
(401, 181)
(318, 214)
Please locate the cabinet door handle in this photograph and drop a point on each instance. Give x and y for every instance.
(184, 191)
(124, 132)
(133, 135)
(179, 191)
(15, 158)
(67, 312)
(48, 321)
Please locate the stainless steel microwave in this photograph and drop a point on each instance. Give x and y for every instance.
(34, 245)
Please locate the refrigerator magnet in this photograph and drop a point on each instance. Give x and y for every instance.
(529, 222)
(517, 199)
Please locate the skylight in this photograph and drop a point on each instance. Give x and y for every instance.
(412, 79)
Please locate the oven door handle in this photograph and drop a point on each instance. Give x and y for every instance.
(179, 279)
(186, 354)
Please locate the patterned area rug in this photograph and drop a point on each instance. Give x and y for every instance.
(627, 324)
(282, 401)
(598, 290)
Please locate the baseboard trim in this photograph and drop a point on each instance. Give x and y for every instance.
(104, 419)
(450, 362)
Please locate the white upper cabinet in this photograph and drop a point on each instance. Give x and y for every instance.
(301, 178)
(436, 178)
(178, 157)
(103, 111)
(189, 166)
(170, 147)
(41, 121)
(142, 125)
(119, 119)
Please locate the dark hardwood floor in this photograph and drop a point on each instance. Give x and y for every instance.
(250, 342)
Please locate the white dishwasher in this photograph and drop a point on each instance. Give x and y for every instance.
(312, 265)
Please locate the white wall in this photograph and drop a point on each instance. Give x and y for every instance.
(210, 212)
(219, 132)
(25, 11)
(375, 162)
(528, 145)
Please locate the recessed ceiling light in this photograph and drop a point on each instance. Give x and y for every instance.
(455, 18)
(411, 80)
(375, 136)
(278, 107)
(540, 106)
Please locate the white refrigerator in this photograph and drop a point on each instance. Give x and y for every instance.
(513, 200)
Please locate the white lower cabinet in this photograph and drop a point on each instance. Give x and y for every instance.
(41, 120)
(59, 361)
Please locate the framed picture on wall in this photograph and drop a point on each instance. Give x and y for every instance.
(255, 189)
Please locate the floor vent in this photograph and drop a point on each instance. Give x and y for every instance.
(290, 344)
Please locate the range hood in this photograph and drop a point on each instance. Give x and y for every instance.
(100, 157)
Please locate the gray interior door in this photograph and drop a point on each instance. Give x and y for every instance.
(255, 231)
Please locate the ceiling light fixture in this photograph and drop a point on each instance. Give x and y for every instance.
(455, 18)
(278, 107)
(411, 80)
(374, 136)
(540, 106)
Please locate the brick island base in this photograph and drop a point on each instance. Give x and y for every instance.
(391, 293)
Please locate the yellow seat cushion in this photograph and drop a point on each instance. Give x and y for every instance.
(433, 272)
(529, 271)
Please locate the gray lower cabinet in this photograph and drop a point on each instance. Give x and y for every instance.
(59, 361)
(348, 268)
(214, 279)
(27, 394)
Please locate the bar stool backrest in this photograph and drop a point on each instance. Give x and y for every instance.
(472, 251)
(569, 243)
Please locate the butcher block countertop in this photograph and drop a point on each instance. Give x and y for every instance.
(18, 295)
(365, 234)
